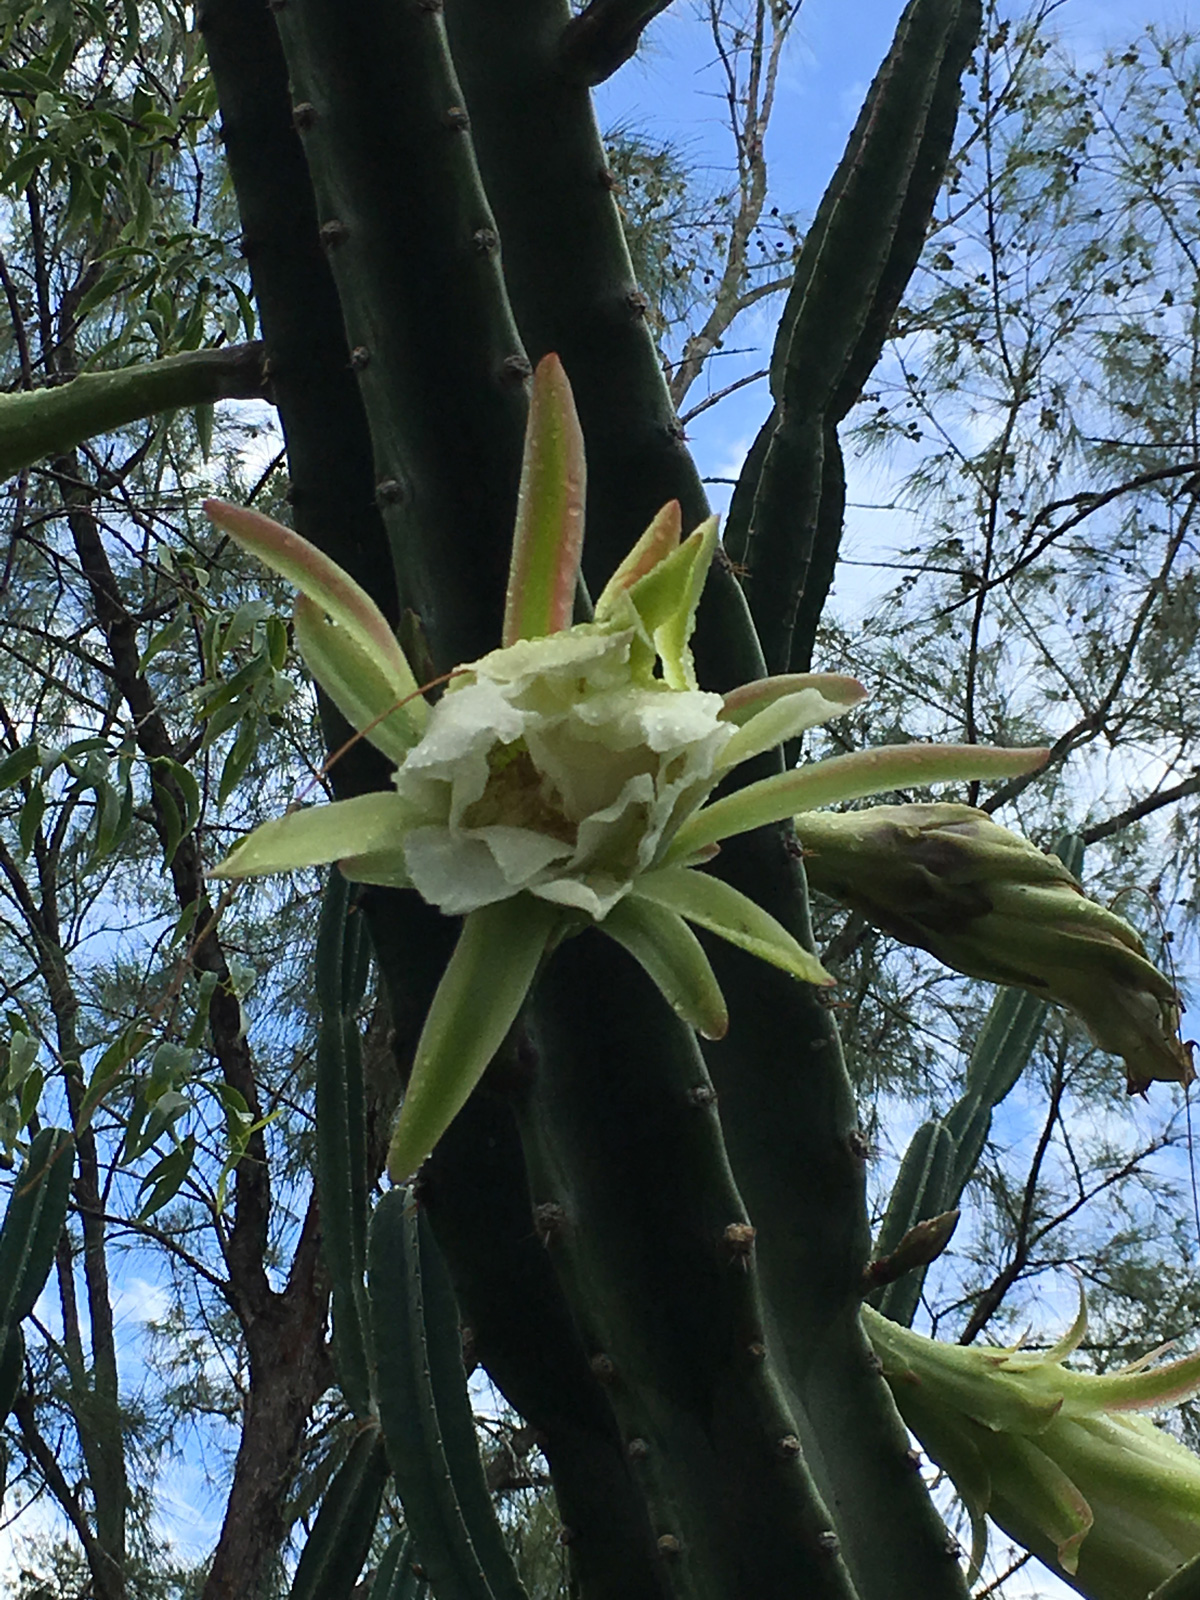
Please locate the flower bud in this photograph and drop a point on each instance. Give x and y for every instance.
(1106, 1498)
(986, 902)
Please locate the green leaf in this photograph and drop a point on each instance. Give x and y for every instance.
(242, 750)
(31, 1094)
(327, 586)
(240, 1133)
(277, 642)
(221, 695)
(477, 1001)
(18, 172)
(110, 810)
(15, 768)
(166, 1177)
(184, 924)
(548, 538)
(242, 624)
(22, 1053)
(361, 691)
(245, 308)
(202, 415)
(368, 824)
(713, 904)
(108, 1069)
(661, 941)
(172, 779)
(849, 777)
(30, 819)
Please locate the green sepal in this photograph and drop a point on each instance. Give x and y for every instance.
(327, 586)
(1021, 1470)
(666, 600)
(786, 714)
(660, 539)
(661, 941)
(363, 693)
(718, 906)
(548, 537)
(369, 824)
(849, 777)
(477, 1001)
(385, 868)
(748, 699)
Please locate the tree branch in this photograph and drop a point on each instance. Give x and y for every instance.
(989, 1301)
(1089, 503)
(1139, 809)
(720, 394)
(603, 37)
(245, 1245)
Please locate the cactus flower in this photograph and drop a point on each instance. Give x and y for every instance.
(990, 904)
(562, 779)
(1061, 1460)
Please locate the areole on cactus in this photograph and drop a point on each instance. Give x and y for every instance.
(561, 780)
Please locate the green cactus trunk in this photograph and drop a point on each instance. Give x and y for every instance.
(659, 1251)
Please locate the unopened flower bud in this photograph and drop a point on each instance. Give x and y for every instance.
(986, 902)
(1058, 1458)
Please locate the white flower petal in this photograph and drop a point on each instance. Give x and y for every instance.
(454, 871)
(520, 853)
(553, 767)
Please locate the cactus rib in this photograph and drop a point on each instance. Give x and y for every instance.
(37, 1209)
(395, 1578)
(342, 1138)
(332, 490)
(791, 1130)
(571, 283)
(640, 1213)
(475, 1192)
(337, 1546)
(414, 251)
(856, 259)
(423, 1407)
